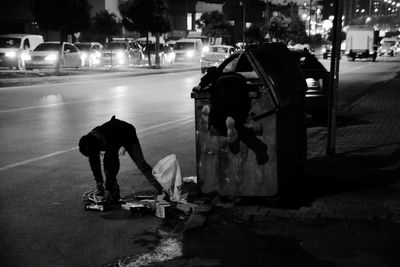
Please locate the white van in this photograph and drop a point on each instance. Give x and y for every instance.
(14, 48)
(188, 50)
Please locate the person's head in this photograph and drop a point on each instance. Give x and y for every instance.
(89, 145)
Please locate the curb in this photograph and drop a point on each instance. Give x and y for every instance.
(9, 82)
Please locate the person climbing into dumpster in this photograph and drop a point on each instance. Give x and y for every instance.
(229, 108)
(114, 138)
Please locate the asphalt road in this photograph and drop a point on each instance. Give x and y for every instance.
(43, 175)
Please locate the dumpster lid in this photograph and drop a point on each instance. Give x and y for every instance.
(279, 71)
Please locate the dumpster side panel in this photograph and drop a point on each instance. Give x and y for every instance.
(219, 170)
(292, 151)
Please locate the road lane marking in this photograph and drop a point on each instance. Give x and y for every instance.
(36, 159)
(60, 104)
(141, 131)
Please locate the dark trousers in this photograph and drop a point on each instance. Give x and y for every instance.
(112, 165)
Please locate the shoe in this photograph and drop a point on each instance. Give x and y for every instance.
(113, 193)
(204, 122)
(99, 189)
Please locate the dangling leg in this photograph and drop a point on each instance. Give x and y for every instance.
(204, 122)
(249, 138)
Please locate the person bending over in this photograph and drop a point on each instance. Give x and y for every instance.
(110, 138)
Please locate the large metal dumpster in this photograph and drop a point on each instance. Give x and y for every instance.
(275, 88)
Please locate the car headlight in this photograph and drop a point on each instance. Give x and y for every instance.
(206, 49)
(11, 54)
(312, 83)
(120, 55)
(190, 53)
(96, 54)
(26, 56)
(51, 57)
(84, 56)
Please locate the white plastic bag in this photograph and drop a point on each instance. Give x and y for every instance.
(168, 173)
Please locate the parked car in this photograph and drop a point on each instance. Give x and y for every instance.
(216, 55)
(121, 52)
(386, 49)
(14, 49)
(167, 54)
(388, 46)
(317, 79)
(90, 53)
(327, 50)
(188, 50)
(45, 55)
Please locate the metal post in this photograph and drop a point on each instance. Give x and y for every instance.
(370, 7)
(334, 77)
(309, 22)
(266, 12)
(244, 21)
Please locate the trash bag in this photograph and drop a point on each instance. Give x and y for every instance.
(168, 173)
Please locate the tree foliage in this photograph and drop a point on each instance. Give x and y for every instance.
(106, 24)
(146, 16)
(253, 35)
(214, 24)
(64, 16)
(297, 31)
(278, 26)
(285, 29)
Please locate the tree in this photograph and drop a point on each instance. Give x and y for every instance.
(214, 24)
(253, 35)
(296, 31)
(278, 26)
(286, 29)
(65, 16)
(146, 16)
(106, 24)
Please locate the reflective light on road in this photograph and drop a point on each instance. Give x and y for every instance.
(51, 99)
(191, 80)
(119, 89)
(49, 120)
(120, 106)
(169, 248)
